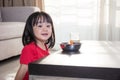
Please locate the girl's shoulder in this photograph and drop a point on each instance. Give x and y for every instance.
(29, 46)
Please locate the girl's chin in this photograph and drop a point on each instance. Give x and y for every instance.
(44, 39)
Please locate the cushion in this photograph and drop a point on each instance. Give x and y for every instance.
(0, 16)
(10, 30)
(18, 14)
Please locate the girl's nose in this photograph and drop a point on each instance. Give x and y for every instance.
(45, 28)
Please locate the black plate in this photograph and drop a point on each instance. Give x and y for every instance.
(70, 47)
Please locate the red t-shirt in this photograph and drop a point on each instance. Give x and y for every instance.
(31, 53)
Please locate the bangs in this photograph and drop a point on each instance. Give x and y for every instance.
(42, 19)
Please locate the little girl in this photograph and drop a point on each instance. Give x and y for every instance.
(38, 37)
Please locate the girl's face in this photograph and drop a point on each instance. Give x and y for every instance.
(42, 31)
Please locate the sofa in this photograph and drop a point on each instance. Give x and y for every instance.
(12, 22)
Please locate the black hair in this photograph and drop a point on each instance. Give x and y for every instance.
(28, 35)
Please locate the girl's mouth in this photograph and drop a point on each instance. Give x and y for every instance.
(44, 34)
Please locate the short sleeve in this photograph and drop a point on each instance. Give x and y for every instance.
(26, 56)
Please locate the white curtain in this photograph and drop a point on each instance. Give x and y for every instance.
(93, 19)
(109, 27)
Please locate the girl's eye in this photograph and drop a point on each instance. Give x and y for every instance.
(48, 25)
(39, 25)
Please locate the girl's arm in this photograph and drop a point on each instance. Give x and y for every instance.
(21, 72)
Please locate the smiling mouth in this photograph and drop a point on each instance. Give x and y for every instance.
(44, 34)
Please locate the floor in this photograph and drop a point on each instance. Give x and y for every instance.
(9, 67)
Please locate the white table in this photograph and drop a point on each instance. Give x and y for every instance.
(95, 59)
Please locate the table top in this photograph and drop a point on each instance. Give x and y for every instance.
(91, 54)
(95, 59)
